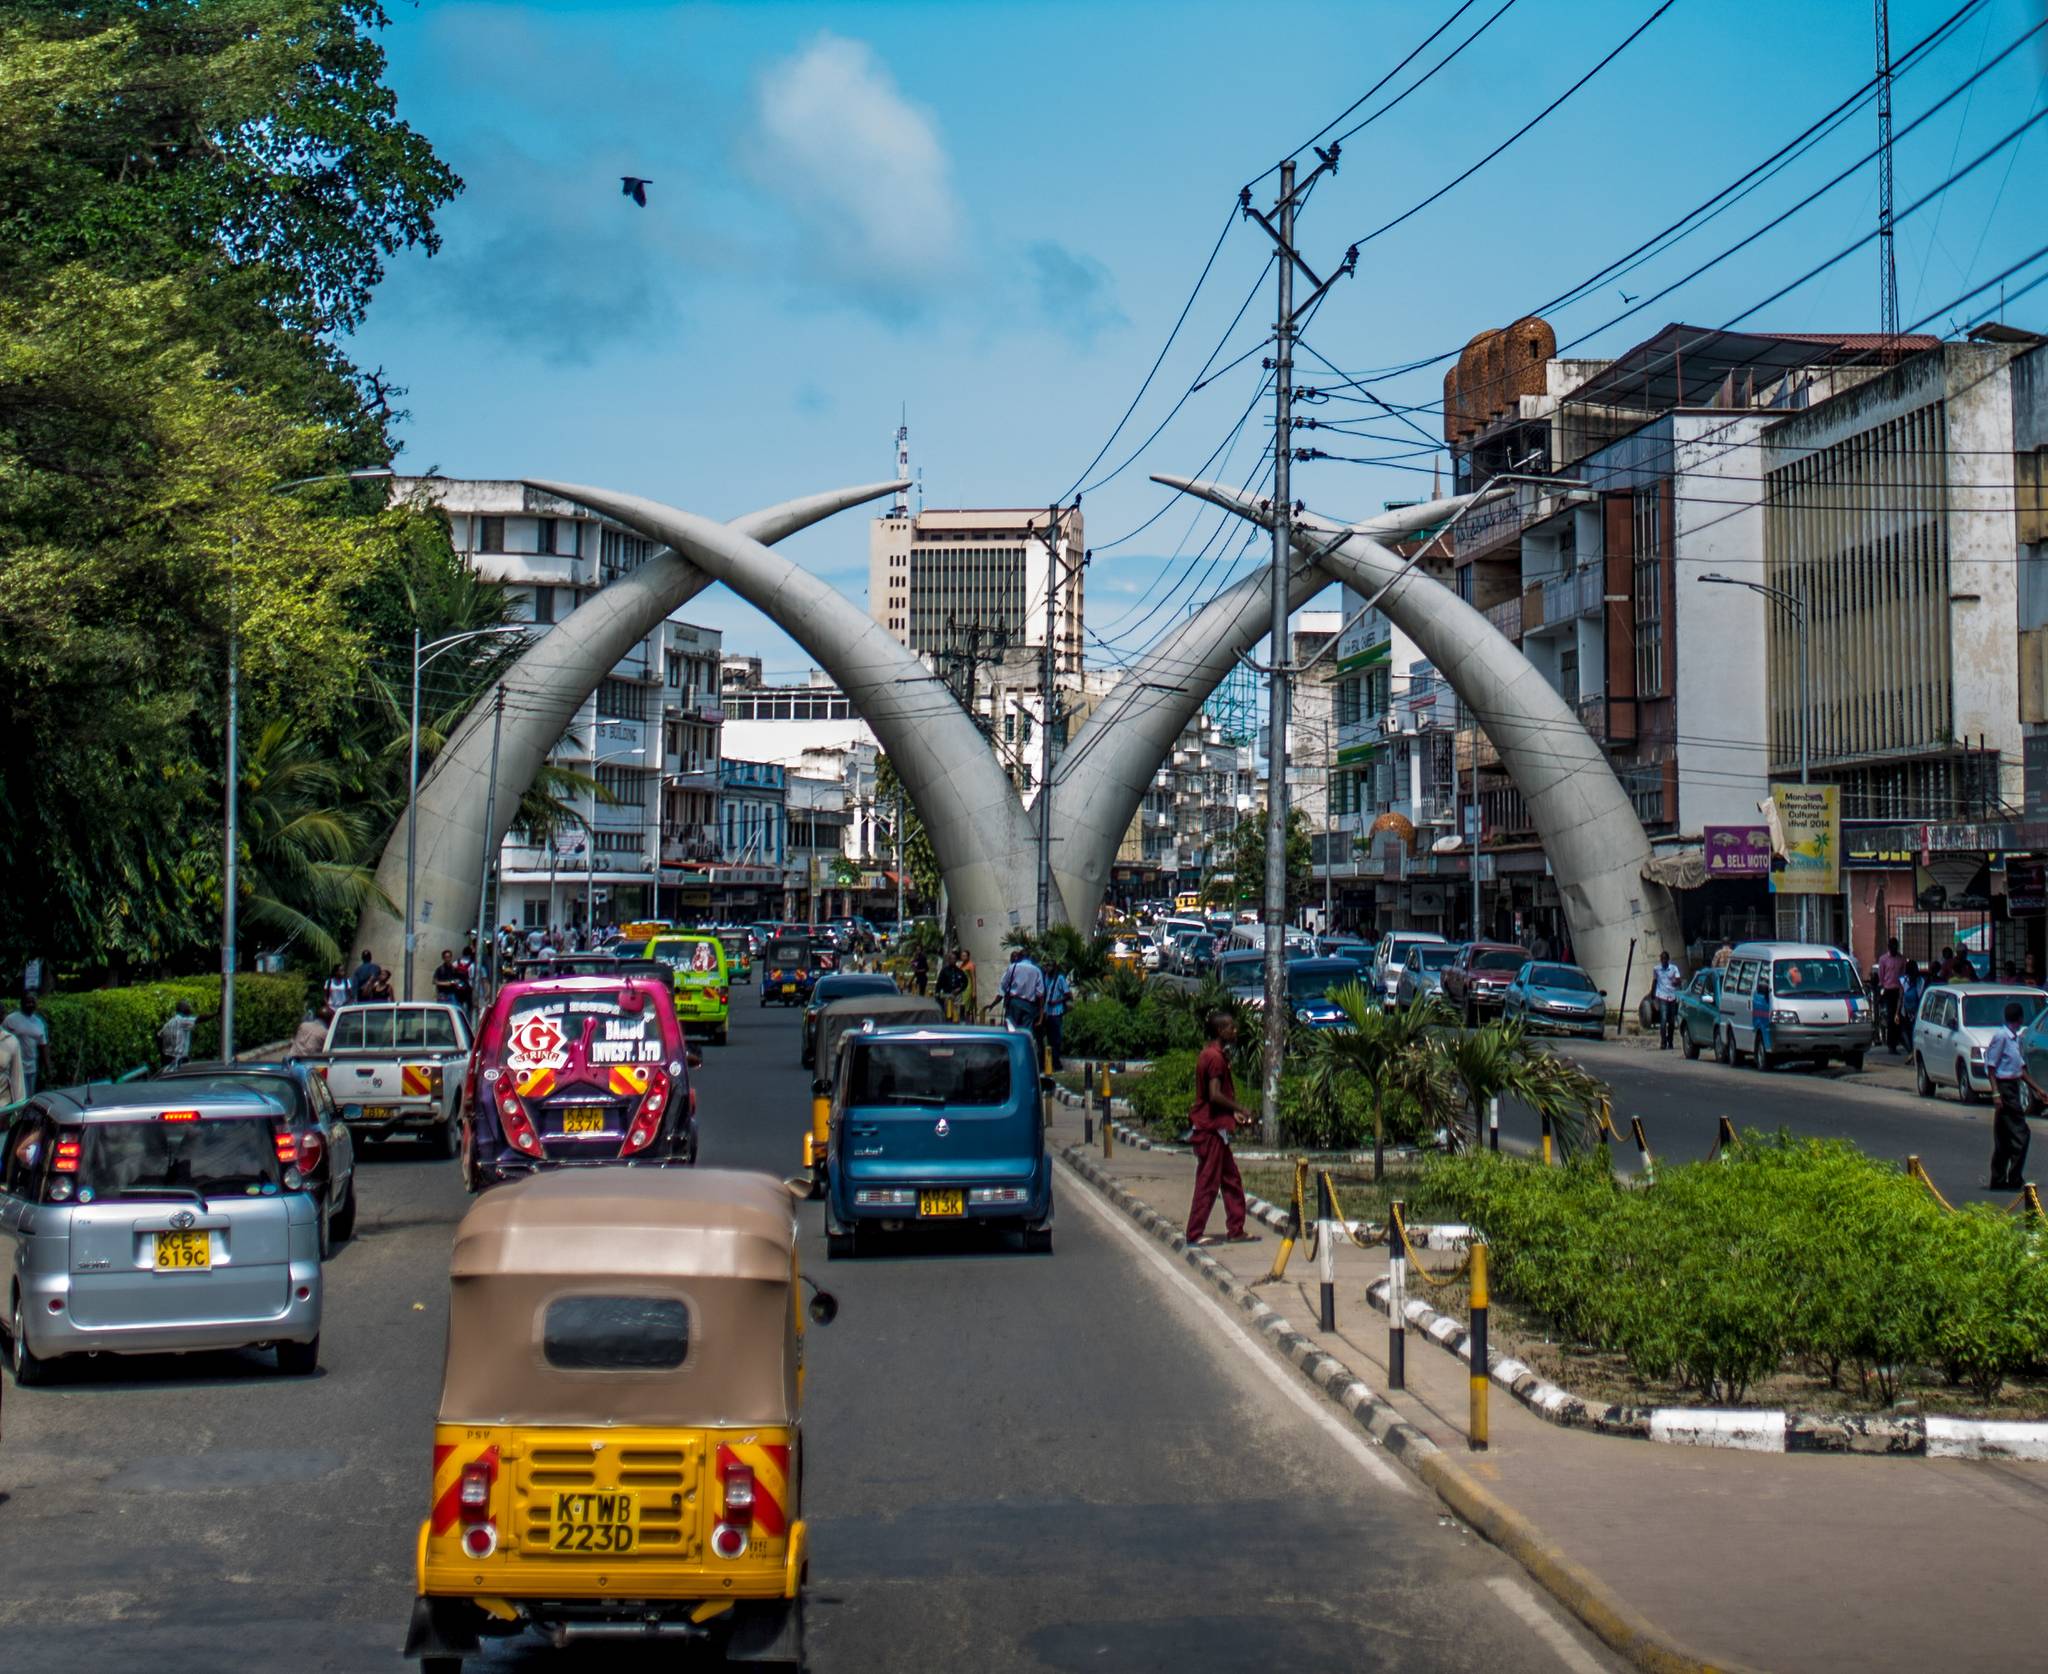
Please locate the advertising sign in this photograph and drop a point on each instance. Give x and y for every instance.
(2026, 886)
(1737, 851)
(1953, 883)
(1810, 818)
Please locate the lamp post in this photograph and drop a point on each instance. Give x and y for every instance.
(590, 849)
(231, 814)
(421, 656)
(1796, 608)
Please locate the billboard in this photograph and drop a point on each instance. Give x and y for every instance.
(1737, 851)
(1809, 821)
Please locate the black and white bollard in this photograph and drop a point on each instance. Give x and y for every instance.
(1493, 1123)
(1397, 1301)
(1326, 1250)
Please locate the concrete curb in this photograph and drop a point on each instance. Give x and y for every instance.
(1749, 1429)
(1570, 1583)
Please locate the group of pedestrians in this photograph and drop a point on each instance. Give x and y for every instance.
(1035, 999)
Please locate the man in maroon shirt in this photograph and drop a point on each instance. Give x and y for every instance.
(1215, 1114)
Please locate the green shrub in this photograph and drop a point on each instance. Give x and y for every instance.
(1990, 1317)
(1107, 1027)
(1163, 1095)
(104, 1032)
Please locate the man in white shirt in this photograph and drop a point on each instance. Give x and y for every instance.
(1664, 991)
(2007, 1066)
(1023, 991)
(32, 1032)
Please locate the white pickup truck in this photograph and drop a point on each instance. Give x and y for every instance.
(397, 1068)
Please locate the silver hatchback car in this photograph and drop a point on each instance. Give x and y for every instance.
(130, 1224)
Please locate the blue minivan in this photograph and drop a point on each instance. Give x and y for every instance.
(935, 1127)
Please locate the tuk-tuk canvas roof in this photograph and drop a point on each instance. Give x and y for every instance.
(721, 1240)
(890, 1011)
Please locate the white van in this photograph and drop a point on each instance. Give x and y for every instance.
(1819, 1010)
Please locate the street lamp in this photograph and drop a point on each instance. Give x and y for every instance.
(231, 822)
(590, 850)
(421, 656)
(1796, 606)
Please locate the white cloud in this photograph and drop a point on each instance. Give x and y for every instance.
(862, 170)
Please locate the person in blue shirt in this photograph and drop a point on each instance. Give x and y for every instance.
(2007, 1066)
(1057, 992)
(1760, 1017)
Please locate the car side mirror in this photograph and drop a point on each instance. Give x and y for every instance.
(1603, 993)
(824, 1308)
(693, 1057)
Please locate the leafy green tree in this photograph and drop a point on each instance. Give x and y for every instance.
(1499, 1060)
(1392, 1055)
(1248, 860)
(920, 859)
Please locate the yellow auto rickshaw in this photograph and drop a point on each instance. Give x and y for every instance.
(618, 1450)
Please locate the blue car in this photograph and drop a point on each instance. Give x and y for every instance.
(1310, 983)
(1555, 998)
(936, 1127)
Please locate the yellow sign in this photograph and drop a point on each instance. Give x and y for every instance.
(1809, 826)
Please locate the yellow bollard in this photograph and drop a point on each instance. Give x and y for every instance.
(1476, 1430)
(1548, 1157)
(818, 1141)
(1045, 1051)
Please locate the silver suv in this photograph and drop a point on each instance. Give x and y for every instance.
(137, 1221)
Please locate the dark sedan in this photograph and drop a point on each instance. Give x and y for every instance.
(332, 1179)
(836, 985)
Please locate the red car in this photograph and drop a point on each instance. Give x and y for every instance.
(576, 1072)
(1477, 980)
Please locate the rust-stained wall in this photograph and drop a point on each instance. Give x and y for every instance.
(1495, 370)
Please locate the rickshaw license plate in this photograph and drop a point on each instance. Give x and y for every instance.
(595, 1523)
(182, 1252)
(583, 1119)
(942, 1203)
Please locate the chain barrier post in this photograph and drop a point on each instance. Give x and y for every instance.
(1397, 1300)
(1108, 1133)
(1548, 1156)
(2030, 1203)
(1326, 1249)
(1296, 1214)
(1725, 1140)
(1635, 1125)
(1087, 1104)
(1476, 1436)
(1493, 1123)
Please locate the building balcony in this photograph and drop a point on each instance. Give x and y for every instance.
(680, 773)
(1507, 617)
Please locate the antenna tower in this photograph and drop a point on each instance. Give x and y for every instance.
(1887, 266)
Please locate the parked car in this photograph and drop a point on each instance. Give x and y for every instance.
(1545, 997)
(1819, 1010)
(1955, 1024)
(328, 1169)
(1192, 955)
(835, 985)
(1243, 973)
(135, 1224)
(396, 1067)
(936, 1126)
(1390, 958)
(1477, 980)
(1337, 946)
(1699, 1011)
(578, 1072)
(1422, 977)
(1149, 954)
(1311, 982)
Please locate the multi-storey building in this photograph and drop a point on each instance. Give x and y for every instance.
(954, 585)
(602, 858)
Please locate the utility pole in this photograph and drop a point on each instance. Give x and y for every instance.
(1887, 266)
(483, 874)
(1280, 227)
(1055, 573)
(231, 836)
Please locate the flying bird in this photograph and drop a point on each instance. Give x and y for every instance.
(632, 186)
(1618, 291)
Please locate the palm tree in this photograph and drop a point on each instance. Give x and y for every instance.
(1394, 1053)
(1500, 1061)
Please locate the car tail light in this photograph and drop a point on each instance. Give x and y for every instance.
(321, 1071)
(729, 1541)
(311, 1149)
(719, 996)
(287, 1146)
(473, 1498)
(517, 1125)
(177, 1116)
(739, 1493)
(65, 1159)
(647, 1119)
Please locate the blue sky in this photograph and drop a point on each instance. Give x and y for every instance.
(990, 214)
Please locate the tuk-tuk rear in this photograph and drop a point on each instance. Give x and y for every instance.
(618, 1450)
(789, 965)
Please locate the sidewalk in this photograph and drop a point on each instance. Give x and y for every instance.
(1880, 1068)
(1781, 1562)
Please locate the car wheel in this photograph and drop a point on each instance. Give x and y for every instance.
(1923, 1083)
(1853, 1062)
(719, 1038)
(298, 1360)
(441, 1139)
(325, 1215)
(1687, 1045)
(840, 1246)
(1724, 1050)
(341, 1225)
(1964, 1091)
(1763, 1059)
(1038, 1240)
(29, 1370)
(440, 1665)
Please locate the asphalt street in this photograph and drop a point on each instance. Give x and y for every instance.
(1681, 1104)
(1015, 1462)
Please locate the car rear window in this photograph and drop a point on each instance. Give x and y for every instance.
(697, 955)
(1431, 958)
(213, 1156)
(1987, 1011)
(1794, 979)
(375, 1029)
(1566, 978)
(567, 1033)
(922, 1073)
(1504, 960)
(1312, 982)
(285, 1089)
(789, 953)
(615, 1333)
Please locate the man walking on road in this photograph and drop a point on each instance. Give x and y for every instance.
(1664, 990)
(1891, 970)
(2007, 1066)
(32, 1032)
(1023, 991)
(1215, 1114)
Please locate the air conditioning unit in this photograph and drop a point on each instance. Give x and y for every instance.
(1390, 724)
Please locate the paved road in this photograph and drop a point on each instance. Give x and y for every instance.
(1016, 1463)
(1681, 1103)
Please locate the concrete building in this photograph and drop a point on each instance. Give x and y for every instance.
(969, 585)
(2027, 882)
(693, 730)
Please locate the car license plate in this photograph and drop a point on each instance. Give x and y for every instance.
(941, 1203)
(595, 1523)
(585, 1119)
(182, 1252)
(377, 1112)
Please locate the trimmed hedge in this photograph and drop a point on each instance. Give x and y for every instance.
(1721, 1272)
(105, 1032)
(1104, 1028)
(1162, 1096)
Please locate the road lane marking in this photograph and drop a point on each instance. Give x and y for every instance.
(1546, 1627)
(1188, 1288)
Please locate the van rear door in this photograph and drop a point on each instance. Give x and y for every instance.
(941, 1109)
